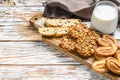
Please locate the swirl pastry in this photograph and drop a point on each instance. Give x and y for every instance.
(111, 39)
(117, 55)
(100, 66)
(99, 57)
(113, 65)
(108, 46)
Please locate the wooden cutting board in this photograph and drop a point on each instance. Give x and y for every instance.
(54, 42)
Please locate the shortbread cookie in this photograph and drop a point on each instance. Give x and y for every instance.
(61, 22)
(51, 31)
(67, 43)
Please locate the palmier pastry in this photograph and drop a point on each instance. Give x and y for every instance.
(113, 65)
(100, 66)
(108, 47)
(67, 43)
(111, 39)
(99, 57)
(105, 51)
(118, 47)
(117, 55)
(103, 42)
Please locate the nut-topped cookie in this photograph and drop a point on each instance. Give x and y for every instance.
(67, 43)
(85, 39)
(61, 22)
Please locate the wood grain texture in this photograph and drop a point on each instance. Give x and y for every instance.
(31, 53)
(24, 57)
(6, 3)
(54, 42)
(17, 33)
(62, 72)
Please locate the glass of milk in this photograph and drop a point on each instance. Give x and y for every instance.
(105, 17)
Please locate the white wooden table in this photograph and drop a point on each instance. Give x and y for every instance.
(23, 56)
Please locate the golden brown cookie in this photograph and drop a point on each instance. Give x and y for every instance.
(78, 31)
(105, 51)
(67, 43)
(86, 47)
(117, 55)
(99, 57)
(85, 39)
(111, 40)
(100, 66)
(108, 47)
(51, 31)
(113, 65)
(61, 22)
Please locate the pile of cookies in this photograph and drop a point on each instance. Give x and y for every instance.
(54, 27)
(80, 38)
(77, 37)
(107, 55)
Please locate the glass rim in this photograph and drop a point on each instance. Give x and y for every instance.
(114, 5)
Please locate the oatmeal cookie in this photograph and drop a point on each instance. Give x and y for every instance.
(67, 43)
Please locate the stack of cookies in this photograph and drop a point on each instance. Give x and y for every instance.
(107, 55)
(80, 38)
(77, 37)
(54, 27)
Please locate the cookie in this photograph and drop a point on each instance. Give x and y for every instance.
(61, 22)
(113, 65)
(108, 46)
(100, 66)
(40, 22)
(67, 43)
(51, 31)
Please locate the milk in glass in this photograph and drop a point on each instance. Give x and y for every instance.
(105, 17)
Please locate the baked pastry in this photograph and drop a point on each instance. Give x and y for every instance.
(86, 41)
(40, 22)
(51, 31)
(105, 51)
(113, 65)
(86, 47)
(100, 66)
(99, 57)
(108, 46)
(117, 55)
(111, 40)
(67, 43)
(78, 31)
(61, 22)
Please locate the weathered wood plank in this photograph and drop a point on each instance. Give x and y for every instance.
(29, 2)
(17, 14)
(31, 53)
(18, 33)
(62, 72)
(6, 3)
(22, 59)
